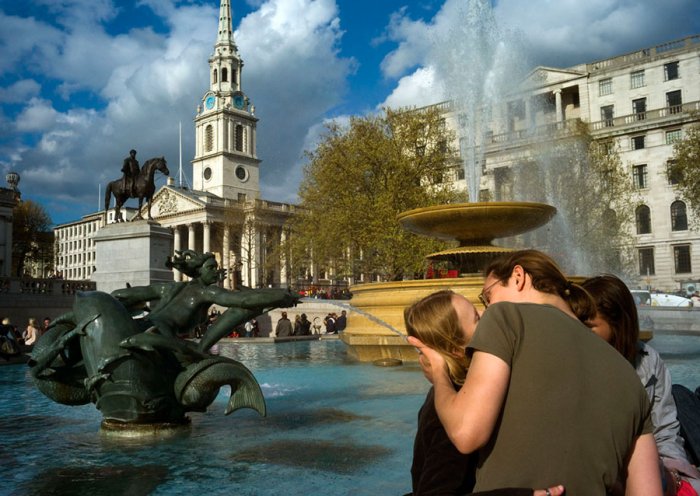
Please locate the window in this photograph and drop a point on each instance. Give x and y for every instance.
(681, 258)
(673, 136)
(224, 75)
(638, 142)
(671, 71)
(605, 87)
(639, 176)
(208, 138)
(639, 108)
(239, 138)
(673, 177)
(637, 79)
(646, 262)
(679, 219)
(606, 114)
(242, 197)
(674, 101)
(643, 219)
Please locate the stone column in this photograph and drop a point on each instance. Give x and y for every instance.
(177, 246)
(557, 100)
(191, 240)
(206, 236)
(528, 113)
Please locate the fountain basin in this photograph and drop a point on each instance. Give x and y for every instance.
(369, 340)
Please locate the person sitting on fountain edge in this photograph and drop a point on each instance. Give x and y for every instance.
(178, 307)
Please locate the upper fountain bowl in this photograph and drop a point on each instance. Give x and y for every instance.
(476, 223)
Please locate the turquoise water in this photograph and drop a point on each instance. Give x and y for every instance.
(334, 427)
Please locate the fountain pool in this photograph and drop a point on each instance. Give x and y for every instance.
(335, 426)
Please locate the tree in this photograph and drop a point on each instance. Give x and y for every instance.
(358, 179)
(31, 234)
(587, 182)
(684, 167)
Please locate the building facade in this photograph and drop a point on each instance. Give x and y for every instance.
(642, 102)
(223, 212)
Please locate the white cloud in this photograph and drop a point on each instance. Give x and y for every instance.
(38, 115)
(415, 90)
(19, 91)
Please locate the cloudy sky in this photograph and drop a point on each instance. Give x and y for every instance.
(83, 81)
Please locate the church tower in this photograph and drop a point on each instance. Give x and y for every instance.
(225, 161)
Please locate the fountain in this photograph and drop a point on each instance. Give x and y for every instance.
(478, 64)
(139, 374)
(474, 226)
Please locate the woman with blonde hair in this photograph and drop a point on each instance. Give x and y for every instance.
(545, 400)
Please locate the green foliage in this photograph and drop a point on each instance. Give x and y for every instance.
(31, 233)
(684, 167)
(358, 179)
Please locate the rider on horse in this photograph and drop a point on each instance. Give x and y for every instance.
(131, 169)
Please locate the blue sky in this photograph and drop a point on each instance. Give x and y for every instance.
(83, 81)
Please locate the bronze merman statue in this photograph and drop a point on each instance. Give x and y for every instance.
(136, 370)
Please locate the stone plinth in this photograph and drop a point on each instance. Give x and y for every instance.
(132, 252)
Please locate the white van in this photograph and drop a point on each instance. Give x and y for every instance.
(642, 297)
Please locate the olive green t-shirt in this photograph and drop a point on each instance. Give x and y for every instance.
(573, 408)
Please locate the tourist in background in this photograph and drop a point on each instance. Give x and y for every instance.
(31, 333)
(248, 329)
(535, 371)
(297, 326)
(329, 321)
(617, 322)
(45, 326)
(341, 322)
(305, 325)
(284, 326)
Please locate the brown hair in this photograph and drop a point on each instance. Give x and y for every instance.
(616, 306)
(434, 321)
(546, 278)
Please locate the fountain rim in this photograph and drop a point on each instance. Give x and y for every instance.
(511, 219)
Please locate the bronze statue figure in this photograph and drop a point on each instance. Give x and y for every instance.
(137, 370)
(142, 186)
(131, 170)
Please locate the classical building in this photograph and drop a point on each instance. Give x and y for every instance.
(642, 101)
(222, 213)
(8, 199)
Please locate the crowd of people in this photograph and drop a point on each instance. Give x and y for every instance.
(525, 398)
(302, 326)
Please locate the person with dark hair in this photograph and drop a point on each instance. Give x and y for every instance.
(545, 400)
(617, 322)
(178, 307)
(284, 327)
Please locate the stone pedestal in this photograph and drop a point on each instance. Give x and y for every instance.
(132, 252)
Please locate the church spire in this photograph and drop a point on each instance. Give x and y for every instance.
(225, 36)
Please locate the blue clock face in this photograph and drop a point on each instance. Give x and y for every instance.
(209, 102)
(238, 101)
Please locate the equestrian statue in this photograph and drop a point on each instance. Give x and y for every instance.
(135, 183)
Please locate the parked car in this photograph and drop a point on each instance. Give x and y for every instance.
(642, 297)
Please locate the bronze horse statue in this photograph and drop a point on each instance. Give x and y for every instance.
(144, 186)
